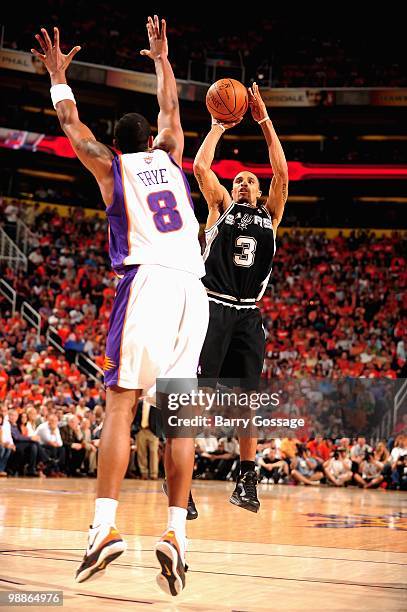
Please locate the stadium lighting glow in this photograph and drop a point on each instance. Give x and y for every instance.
(225, 169)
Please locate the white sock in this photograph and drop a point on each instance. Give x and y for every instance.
(105, 511)
(176, 520)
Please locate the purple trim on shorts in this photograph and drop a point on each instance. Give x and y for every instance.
(184, 178)
(117, 219)
(116, 325)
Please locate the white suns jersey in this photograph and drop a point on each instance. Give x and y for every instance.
(151, 219)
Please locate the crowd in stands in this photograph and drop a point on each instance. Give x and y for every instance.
(335, 307)
(32, 372)
(58, 436)
(69, 281)
(51, 438)
(297, 50)
(336, 462)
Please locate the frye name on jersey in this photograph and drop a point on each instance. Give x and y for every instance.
(153, 177)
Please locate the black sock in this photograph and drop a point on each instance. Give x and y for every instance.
(246, 466)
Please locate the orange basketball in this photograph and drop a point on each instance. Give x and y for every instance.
(227, 100)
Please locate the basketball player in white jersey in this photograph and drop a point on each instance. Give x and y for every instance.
(160, 314)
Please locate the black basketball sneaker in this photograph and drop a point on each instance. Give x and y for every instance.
(192, 512)
(245, 493)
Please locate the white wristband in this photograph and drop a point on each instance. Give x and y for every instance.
(61, 92)
(219, 125)
(266, 118)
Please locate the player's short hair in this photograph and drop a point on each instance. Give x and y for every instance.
(131, 133)
(252, 173)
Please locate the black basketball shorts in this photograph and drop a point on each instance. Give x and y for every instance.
(234, 346)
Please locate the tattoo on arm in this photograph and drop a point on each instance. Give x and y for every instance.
(200, 181)
(93, 148)
(284, 191)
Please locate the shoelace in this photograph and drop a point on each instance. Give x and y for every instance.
(250, 481)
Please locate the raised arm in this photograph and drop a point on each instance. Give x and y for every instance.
(279, 184)
(215, 194)
(94, 155)
(170, 135)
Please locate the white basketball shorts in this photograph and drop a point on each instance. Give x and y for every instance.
(157, 327)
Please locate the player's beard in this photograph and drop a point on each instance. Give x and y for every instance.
(243, 198)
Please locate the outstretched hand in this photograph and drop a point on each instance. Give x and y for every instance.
(157, 39)
(257, 106)
(53, 59)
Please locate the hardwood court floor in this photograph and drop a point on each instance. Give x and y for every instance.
(307, 549)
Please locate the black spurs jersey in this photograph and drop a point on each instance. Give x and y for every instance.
(238, 256)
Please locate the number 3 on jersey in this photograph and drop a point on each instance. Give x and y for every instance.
(164, 206)
(247, 250)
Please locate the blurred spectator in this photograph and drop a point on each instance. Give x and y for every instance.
(6, 441)
(25, 457)
(305, 468)
(216, 463)
(358, 453)
(272, 467)
(51, 441)
(204, 446)
(338, 469)
(147, 421)
(370, 472)
(89, 446)
(398, 463)
(401, 468)
(72, 438)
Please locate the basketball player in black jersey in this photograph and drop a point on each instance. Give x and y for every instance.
(240, 246)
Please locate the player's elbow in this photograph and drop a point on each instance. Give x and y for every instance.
(166, 140)
(169, 101)
(169, 112)
(199, 168)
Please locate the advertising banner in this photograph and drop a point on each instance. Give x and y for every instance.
(189, 90)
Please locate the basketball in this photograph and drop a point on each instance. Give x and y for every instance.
(227, 100)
